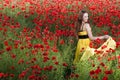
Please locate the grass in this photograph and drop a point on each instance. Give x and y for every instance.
(53, 61)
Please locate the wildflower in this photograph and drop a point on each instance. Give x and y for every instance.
(31, 77)
(38, 46)
(53, 57)
(20, 61)
(45, 58)
(50, 68)
(56, 63)
(72, 75)
(33, 60)
(103, 47)
(108, 72)
(22, 47)
(92, 72)
(1, 29)
(8, 48)
(54, 49)
(102, 64)
(93, 7)
(65, 64)
(98, 70)
(13, 56)
(12, 75)
(6, 43)
(105, 78)
(76, 75)
(47, 47)
(22, 74)
(93, 65)
(1, 75)
(62, 42)
(46, 53)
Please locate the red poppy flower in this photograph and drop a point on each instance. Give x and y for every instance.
(105, 78)
(31, 77)
(62, 42)
(65, 64)
(76, 75)
(6, 43)
(108, 72)
(98, 70)
(56, 63)
(53, 57)
(102, 64)
(1, 75)
(22, 75)
(12, 75)
(8, 48)
(13, 56)
(93, 7)
(20, 61)
(92, 72)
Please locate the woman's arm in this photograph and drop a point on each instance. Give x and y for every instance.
(88, 28)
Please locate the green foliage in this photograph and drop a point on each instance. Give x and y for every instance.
(65, 52)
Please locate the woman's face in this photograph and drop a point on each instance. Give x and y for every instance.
(85, 17)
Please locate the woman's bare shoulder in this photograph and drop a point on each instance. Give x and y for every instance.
(87, 25)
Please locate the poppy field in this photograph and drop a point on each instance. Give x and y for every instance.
(38, 39)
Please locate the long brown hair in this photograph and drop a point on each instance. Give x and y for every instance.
(79, 20)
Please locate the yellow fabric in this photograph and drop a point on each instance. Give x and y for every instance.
(82, 43)
(88, 52)
(110, 44)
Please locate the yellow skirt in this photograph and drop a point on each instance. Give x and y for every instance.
(81, 46)
(88, 52)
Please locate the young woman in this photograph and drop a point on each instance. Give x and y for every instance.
(84, 34)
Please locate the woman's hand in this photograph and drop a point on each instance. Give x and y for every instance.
(106, 36)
